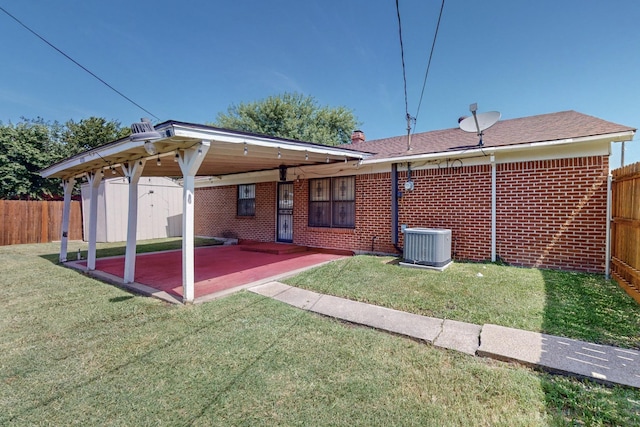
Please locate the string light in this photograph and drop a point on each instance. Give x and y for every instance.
(306, 155)
(246, 150)
(279, 154)
(158, 162)
(176, 157)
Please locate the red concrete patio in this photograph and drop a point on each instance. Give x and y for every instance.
(219, 270)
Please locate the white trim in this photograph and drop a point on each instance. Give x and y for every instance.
(67, 186)
(132, 171)
(480, 151)
(94, 179)
(92, 155)
(261, 141)
(475, 158)
(190, 162)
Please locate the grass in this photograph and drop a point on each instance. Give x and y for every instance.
(76, 351)
(574, 305)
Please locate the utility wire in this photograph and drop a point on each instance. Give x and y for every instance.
(404, 72)
(433, 45)
(78, 64)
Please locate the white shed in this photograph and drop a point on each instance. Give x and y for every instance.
(159, 209)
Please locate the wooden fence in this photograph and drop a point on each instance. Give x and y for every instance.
(625, 229)
(24, 221)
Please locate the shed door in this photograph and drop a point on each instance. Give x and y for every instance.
(285, 212)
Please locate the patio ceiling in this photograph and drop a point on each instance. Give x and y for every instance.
(226, 155)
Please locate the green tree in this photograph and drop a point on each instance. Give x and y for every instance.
(25, 149)
(292, 116)
(90, 133)
(32, 145)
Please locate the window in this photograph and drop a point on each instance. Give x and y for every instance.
(332, 202)
(247, 200)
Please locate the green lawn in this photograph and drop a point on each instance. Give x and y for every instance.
(574, 305)
(77, 351)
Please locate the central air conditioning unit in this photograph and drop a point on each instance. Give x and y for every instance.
(427, 247)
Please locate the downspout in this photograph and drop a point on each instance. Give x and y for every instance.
(493, 208)
(607, 262)
(394, 206)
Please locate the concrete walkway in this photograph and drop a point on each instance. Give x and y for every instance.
(600, 363)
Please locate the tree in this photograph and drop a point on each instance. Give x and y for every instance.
(90, 133)
(25, 149)
(32, 145)
(291, 116)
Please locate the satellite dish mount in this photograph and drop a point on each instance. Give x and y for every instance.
(478, 123)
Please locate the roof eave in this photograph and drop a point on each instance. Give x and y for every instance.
(612, 137)
(192, 132)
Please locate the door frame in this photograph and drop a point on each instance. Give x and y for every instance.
(278, 209)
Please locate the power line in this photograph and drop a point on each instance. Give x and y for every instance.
(404, 71)
(433, 45)
(79, 65)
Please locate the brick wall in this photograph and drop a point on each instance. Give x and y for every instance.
(550, 213)
(456, 198)
(216, 208)
(373, 218)
(553, 213)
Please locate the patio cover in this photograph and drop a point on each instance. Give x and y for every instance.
(184, 151)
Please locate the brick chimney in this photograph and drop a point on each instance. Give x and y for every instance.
(357, 136)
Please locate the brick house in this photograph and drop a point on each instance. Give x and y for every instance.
(534, 194)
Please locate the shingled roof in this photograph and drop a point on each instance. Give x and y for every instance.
(526, 130)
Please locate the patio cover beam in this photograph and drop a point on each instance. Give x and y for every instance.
(189, 162)
(67, 186)
(132, 171)
(94, 178)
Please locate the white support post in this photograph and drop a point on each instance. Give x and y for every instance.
(67, 186)
(132, 171)
(189, 162)
(94, 178)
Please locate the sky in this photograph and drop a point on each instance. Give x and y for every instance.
(192, 59)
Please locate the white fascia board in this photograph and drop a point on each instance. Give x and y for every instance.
(95, 154)
(615, 137)
(233, 138)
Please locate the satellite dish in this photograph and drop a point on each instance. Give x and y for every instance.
(478, 123)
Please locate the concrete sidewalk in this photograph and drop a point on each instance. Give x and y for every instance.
(600, 363)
